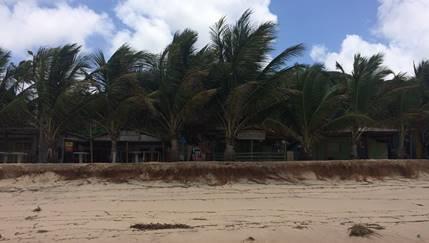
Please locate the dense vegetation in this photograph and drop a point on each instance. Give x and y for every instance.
(232, 79)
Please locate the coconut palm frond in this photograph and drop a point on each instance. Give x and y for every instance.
(279, 62)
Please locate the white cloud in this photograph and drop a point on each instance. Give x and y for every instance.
(318, 53)
(404, 24)
(152, 23)
(28, 24)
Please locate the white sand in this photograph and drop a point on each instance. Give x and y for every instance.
(311, 211)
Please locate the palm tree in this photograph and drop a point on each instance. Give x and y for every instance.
(54, 75)
(404, 105)
(180, 71)
(311, 108)
(246, 83)
(7, 86)
(421, 77)
(363, 87)
(399, 106)
(118, 95)
(13, 93)
(5, 75)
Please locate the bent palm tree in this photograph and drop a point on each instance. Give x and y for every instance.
(180, 72)
(7, 87)
(54, 75)
(118, 94)
(7, 92)
(13, 93)
(311, 108)
(362, 89)
(247, 85)
(421, 77)
(400, 106)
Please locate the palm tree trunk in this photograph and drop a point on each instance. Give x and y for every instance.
(52, 150)
(113, 150)
(229, 153)
(43, 143)
(401, 149)
(174, 149)
(419, 144)
(355, 142)
(42, 147)
(47, 147)
(355, 153)
(307, 153)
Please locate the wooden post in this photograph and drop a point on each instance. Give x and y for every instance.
(163, 151)
(6, 139)
(284, 150)
(251, 150)
(126, 151)
(419, 145)
(91, 149)
(62, 150)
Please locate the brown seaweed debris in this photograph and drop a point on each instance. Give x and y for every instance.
(250, 238)
(38, 209)
(158, 226)
(364, 230)
(31, 217)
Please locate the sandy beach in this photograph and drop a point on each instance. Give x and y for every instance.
(96, 210)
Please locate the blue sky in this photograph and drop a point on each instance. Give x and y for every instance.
(332, 30)
(305, 21)
(323, 22)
